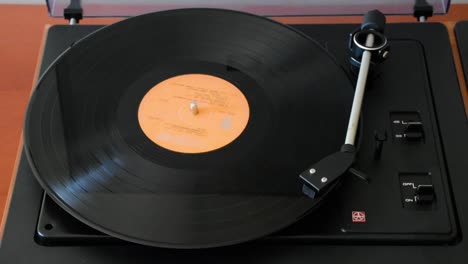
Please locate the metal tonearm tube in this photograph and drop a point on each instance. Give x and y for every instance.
(368, 46)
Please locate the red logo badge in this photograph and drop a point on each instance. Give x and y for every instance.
(359, 216)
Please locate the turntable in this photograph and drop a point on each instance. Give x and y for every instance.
(206, 132)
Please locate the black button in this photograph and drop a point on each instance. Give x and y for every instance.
(425, 194)
(414, 132)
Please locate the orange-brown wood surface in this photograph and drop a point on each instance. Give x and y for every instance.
(21, 32)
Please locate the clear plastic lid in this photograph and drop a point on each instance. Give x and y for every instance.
(123, 8)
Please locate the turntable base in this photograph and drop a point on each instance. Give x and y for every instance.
(395, 229)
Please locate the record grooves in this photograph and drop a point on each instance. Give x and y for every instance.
(92, 157)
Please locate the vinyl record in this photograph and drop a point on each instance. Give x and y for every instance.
(186, 128)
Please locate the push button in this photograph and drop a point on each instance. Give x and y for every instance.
(417, 190)
(407, 127)
(424, 194)
(414, 131)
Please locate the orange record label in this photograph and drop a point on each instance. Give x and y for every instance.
(193, 113)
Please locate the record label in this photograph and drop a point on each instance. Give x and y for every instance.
(193, 113)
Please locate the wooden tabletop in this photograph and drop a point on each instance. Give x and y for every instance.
(21, 33)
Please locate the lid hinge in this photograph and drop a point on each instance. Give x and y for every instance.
(73, 12)
(422, 10)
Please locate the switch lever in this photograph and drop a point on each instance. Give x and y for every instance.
(425, 194)
(414, 131)
(380, 138)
